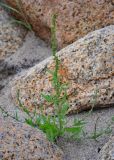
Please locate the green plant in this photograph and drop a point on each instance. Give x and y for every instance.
(94, 100)
(103, 131)
(77, 129)
(6, 114)
(55, 125)
(19, 12)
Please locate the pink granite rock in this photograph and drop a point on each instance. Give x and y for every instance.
(22, 142)
(107, 152)
(75, 17)
(87, 66)
(11, 36)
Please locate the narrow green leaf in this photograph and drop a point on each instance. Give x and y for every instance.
(9, 7)
(16, 116)
(74, 130)
(28, 26)
(113, 118)
(64, 109)
(48, 98)
(30, 122)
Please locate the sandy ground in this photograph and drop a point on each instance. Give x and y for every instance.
(87, 148)
(32, 51)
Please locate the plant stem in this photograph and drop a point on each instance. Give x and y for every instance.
(56, 76)
(9, 115)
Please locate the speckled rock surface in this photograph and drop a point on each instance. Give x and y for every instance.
(11, 36)
(87, 66)
(22, 142)
(107, 152)
(19, 49)
(76, 18)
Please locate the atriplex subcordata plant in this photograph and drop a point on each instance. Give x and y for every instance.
(54, 125)
(19, 11)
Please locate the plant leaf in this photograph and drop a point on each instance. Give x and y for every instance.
(48, 98)
(26, 25)
(64, 109)
(9, 7)
(73, 130)
(30, 122)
